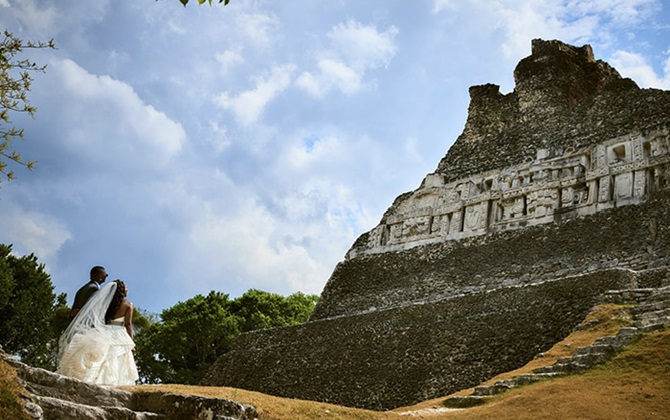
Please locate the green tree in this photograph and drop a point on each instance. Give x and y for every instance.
(225, 2)
(260, 310)
(189, 338)
(28, 306)
(191, 335)
(15, 82)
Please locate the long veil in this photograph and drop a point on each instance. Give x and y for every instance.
(91, 316)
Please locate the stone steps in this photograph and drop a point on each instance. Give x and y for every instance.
(53, 396)
(652, 314)
(54, 408)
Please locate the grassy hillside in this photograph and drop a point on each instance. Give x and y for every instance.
(633, 385)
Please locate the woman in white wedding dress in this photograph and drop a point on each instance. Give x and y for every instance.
(97, 347)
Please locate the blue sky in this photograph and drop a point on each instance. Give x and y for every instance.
(248, 146)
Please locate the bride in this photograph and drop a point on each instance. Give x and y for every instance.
(97, 347)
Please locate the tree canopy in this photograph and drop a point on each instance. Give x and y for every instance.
(32, 315)
(191, 335)
(15, 82)
(225, 2)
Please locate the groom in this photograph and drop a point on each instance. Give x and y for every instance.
(98, 276)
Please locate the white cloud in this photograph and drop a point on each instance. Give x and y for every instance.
(331, 73)
(219, 137)
(247, 106)
(354, 49)
(619, 12)
(228, 59)
(256, 28)
(107, 121)
(312, 84)
(572, 21)
(363, 46)
(46, 20)
(636, 67)
(34, 232)
(440, 5)
(39, 18)
(243, 249)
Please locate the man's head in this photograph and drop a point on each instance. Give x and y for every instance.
(98, 274)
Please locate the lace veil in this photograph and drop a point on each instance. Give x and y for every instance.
(90, 317)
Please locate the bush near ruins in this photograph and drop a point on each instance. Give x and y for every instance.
(32, 315)
(191, 335)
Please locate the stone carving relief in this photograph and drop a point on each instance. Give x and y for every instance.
(455, 225)
(541, 203)
(659, 145)
(512, 208)
(475, 217)
(617, 172)
(605, 187)
(623, 186)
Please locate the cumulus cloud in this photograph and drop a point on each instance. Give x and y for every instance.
(39, 18)
(248, 105)
(636, 67)
(257, 29)
(33, 231)
(618, 12)
(46, 20)
(105, 120)
(440, 5)
(354, 49)
(243, 248)
(228, 60)
(573, 21)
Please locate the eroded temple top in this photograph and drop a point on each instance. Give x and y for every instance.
(573, 138)
(563, 97)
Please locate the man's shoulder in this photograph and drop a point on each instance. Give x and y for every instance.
(89, 287)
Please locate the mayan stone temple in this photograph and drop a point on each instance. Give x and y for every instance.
(553, 195)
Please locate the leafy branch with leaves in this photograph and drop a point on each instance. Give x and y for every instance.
(225, 2)
(15, 82)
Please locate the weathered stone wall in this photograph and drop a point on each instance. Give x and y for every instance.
(632, 237)
(396, 357)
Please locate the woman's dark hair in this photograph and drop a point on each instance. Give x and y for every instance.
(119, 295)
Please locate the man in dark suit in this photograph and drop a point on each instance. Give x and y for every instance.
(98, 276)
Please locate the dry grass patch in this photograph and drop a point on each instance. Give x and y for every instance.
(10, 391)
(634, 385)
(269, 407)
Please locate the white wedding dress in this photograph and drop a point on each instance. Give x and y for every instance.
(101, 356)
(98, 353)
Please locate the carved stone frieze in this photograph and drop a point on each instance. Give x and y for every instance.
(617, 172)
